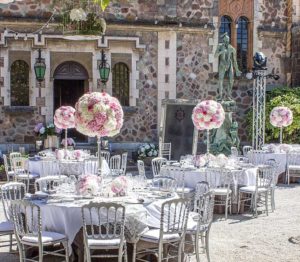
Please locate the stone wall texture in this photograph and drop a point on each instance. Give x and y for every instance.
(195, 78)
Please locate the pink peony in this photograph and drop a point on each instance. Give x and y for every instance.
(208, 115)
(281, 116)
(64, 117)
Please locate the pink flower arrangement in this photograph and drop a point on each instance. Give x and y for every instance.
(119, 185)
(64, 117)
(78, 154)
(98, 114)
(281, 116)
(88, 185)
(207, 115)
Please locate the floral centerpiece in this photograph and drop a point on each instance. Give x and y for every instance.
(64, 118)
(119, 185)
(48, 133)
(98, 115)
(88, 185)
(281, 116)
(147, 150)
(208, 115)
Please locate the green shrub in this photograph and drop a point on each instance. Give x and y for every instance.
(289, 97)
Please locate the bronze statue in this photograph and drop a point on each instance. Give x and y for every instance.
(227, 62)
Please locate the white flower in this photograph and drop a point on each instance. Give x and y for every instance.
(153, 146)
(142, 149)
(154, 153)
(78, 15)
(149, 153)
(147, 147)
(42, 130)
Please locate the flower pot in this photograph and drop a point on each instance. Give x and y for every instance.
(147, 160)
(51, 142)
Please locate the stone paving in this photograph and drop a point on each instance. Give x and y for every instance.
(242, 238)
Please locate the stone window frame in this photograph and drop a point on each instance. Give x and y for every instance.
(25, 78)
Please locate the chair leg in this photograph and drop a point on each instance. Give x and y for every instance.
(266, 202)
(197, 246)
(207, 244)
(10, 243)
(255, 205)
(239, 202)
(273, 199)
(41, 254)
(67, 251)
(226, 207)
(125, 253)
(134, 252)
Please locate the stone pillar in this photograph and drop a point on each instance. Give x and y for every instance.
(166, 68)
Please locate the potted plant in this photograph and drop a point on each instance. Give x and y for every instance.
(49, 134)
(147, 152)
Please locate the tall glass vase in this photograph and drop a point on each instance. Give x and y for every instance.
(99, 156)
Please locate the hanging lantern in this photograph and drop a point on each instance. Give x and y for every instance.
(40, 68)
(104, 68)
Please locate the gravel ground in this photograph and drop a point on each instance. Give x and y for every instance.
(242, 238)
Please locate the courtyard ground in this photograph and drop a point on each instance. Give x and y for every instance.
(242, 238)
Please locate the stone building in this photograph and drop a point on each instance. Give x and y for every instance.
(157, 49)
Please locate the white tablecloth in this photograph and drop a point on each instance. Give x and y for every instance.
(66, 217)
(67, 167)
(246, 176)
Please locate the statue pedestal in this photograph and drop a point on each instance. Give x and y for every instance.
(225, 137)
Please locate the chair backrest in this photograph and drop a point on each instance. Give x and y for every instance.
(164, 183)
(219, 177)
(141, 168)
(200, 189)
(156, 163)
(105, 154)
(177, 174)
(103, 221)
(264, 177)
(9, 192)
(91, 165)
(27, 219)
(234, 151)
(50, 167)
(6, 166)
(14, 155)
(174, 215)
(205, 208)
(47, 183)
(115, 164)
(293, 158)
(19, 165)
(246, 149)
(165, 150)
(272, 163)
(124, 162)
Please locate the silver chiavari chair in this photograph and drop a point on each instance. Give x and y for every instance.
(8, 170)
(293, 165)
(259, 193)
(141, 168)
(13, 155)
(91, 165)
(28, 230)
(48, 183)
(124, 163)
(246, 149)
(256, 157)
(199, 227)
(50, 167)
(165, 150)
(173, 222)
(272, 163)
(201, 188)
(9, 192)
(157, 163)
(164, 183)
(115, 165)
(103, 229)
(105, 154)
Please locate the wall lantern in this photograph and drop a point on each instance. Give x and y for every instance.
(104, 68)
(40, 68)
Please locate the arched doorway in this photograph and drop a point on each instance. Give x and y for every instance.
(70, 80)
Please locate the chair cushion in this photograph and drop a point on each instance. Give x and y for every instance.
(185, 190)
(294, 167)
(97, 243)
(152, 235)
(6, 226)
(221, 191)
(25, 176)
(47, 237)
(11, 173)
(251, 189)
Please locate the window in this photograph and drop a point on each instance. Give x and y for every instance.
(120, 81)
(225, 26)
(19, 83)
(242, 43)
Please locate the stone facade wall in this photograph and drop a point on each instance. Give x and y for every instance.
(296, 57)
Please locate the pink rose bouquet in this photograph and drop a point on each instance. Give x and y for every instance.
(64, 117)
(281, 116)
(88, 185)
(208, 115)
(98, 114)
(119, 185)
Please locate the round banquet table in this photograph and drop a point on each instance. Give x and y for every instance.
(67, 167)
(63, 214)
(244, 176)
